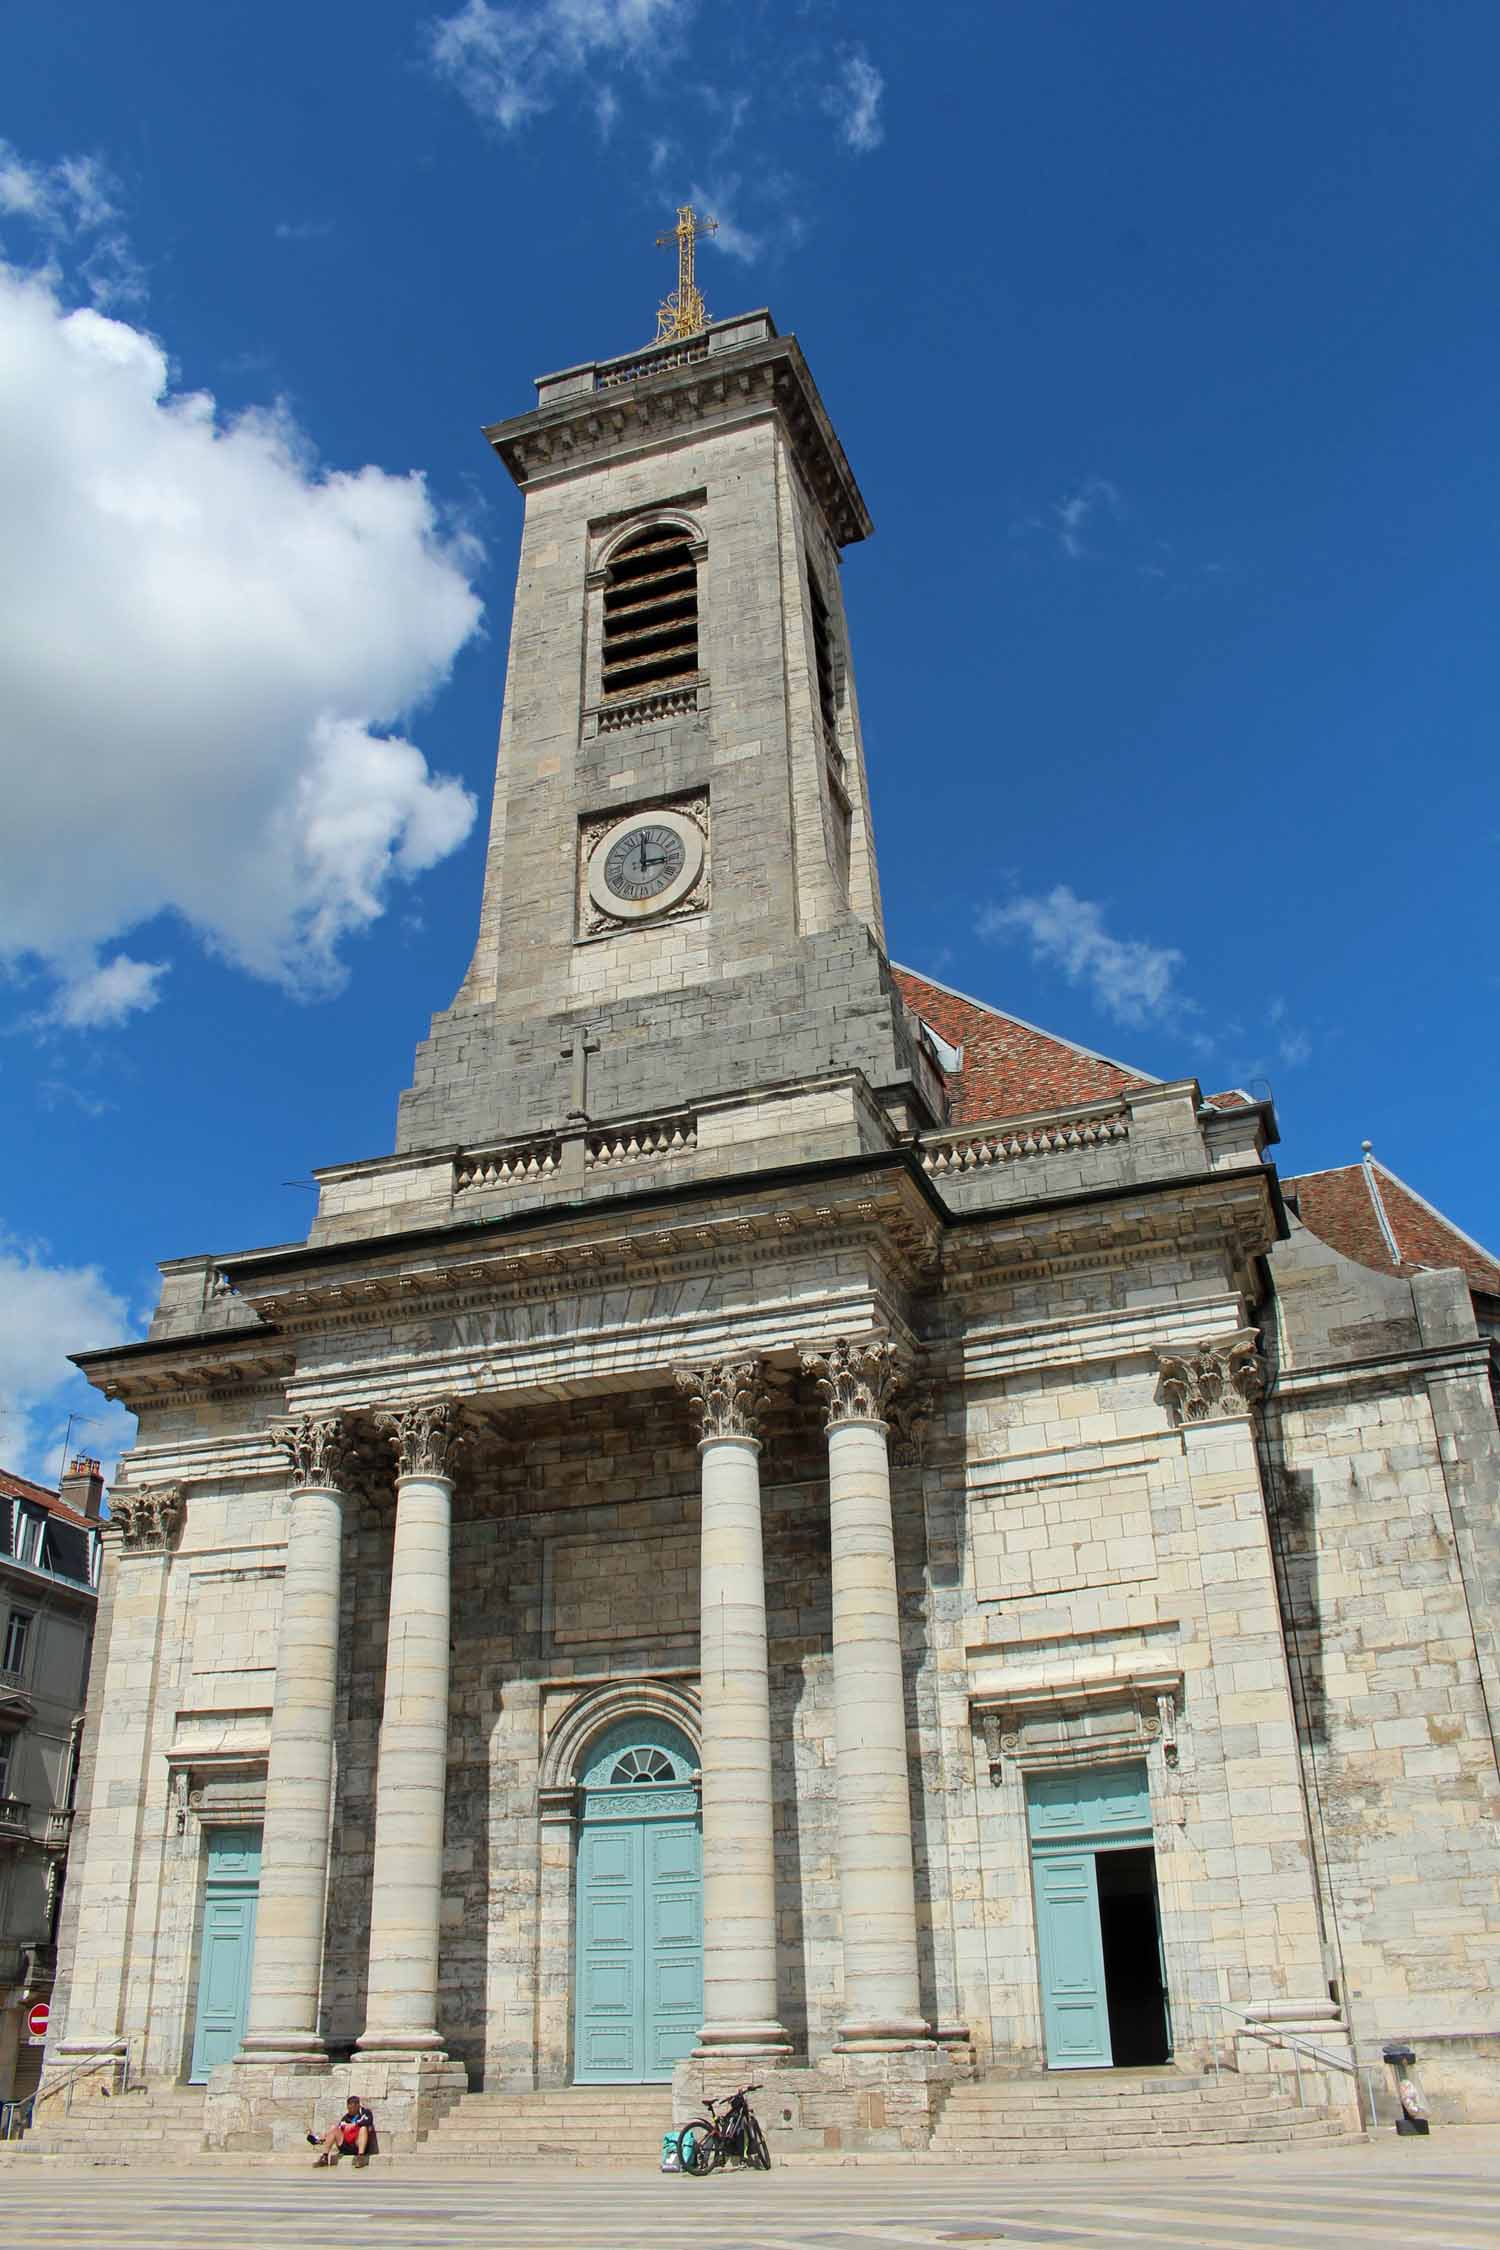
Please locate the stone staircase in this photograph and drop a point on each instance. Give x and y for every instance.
(589, 2127)
(1091, 2116)
(160, 2125)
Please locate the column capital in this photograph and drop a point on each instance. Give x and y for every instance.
(728, 1397)
(425, 1435)
(858, 1380)
(148, 1517)
(1220, 1377)
(317, 1446)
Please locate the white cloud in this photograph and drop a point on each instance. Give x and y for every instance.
(854, 99)
(304, 230)
(73, 202)
(506, 60)
(729, 236)
(107, 992)
(207, 636)
(46, 1312)
(1129, 978)
(606, 110)
(1096, 497)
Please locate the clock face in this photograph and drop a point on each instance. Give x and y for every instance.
(643, 862)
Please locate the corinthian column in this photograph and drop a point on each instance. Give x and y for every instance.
(410, 1781)
(877, 1891)
(739, 1862)
(282, 2020)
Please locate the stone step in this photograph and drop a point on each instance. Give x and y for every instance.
(1046, 2120)
(1080, 2144)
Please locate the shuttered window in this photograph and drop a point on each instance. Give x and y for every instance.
(650, 612)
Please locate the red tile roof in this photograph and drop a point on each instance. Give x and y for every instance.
(13, 1487)
(1340, 1209)
(1010, 1069)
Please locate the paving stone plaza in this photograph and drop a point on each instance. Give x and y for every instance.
(796, 1527)
(1444, 2197)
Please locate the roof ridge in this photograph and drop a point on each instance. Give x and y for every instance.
(1061, 1039)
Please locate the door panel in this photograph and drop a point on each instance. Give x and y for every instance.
(639, 1960)
(223, 1978)
(1075, 2007)
(227, 1951)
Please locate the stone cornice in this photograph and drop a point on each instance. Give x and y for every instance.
(1230, 1213)
(1474, 1358)
(601, 417)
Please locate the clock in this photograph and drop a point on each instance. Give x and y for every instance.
(644, 864)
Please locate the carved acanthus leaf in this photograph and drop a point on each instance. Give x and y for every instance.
(424, 1435)
(1221, 1377)
(150, 1518)
(858, 1381)
(727, 1396)
(910, 1418)
(317, 1447)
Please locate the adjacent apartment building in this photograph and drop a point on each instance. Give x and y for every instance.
(49, 1576)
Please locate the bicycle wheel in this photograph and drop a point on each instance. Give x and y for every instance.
(698, 2146)
(756, 2151)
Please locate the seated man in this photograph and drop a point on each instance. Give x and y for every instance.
(349, 2137)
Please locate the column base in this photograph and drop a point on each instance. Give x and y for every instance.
(293, 2050)
(768, 2039)
(401, 2046)
(882, 2035)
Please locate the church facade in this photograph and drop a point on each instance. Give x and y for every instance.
(796, 1527)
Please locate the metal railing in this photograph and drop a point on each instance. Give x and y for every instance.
(1326, 2058)
(112, 2058)
(15, 1816)
(15, 2117)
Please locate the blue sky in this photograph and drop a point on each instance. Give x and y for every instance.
(1162, 340)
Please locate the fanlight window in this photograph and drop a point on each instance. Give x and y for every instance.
(643, 1765)
(651, 612)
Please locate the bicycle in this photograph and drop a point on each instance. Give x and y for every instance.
(734, 2137)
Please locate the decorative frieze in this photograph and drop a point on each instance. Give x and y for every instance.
(858, 1380)
(727, 1396)
(317, 1446)
(151, 1518)
(1223, 1376)
(424, 1435)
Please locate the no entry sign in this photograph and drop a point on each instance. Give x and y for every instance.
(36, 2021)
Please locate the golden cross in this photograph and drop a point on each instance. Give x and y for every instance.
(684, 312)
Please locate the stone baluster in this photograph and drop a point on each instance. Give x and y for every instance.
(410, 1783)
(877, 1891)
(282, 2020)
(739, 1863)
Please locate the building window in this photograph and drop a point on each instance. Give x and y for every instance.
(28, 1536)
(837, 818)
(650, 612)
(5, 1749)
(17, 1634)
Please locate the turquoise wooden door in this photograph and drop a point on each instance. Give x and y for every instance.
(1071, 1817)
(638, 1959)
(228, 1946)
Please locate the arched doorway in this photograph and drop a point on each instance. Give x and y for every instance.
(638, 1952)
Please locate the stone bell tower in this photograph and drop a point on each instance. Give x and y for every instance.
(680, 900)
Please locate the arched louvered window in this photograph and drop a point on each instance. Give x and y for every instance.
(651, 611)
(823, 656)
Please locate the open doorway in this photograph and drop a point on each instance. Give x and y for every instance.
(1130, 1933)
